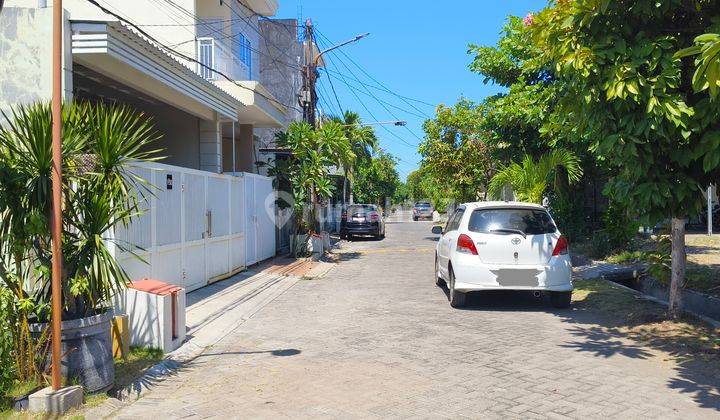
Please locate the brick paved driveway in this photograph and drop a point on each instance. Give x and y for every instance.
(376, 339)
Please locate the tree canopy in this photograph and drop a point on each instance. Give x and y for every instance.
(627, 96)
(377, 180)
(453, 139)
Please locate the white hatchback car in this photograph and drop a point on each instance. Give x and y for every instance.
(494, 245)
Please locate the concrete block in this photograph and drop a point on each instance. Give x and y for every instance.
(57, 402)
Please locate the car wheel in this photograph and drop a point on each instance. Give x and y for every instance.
(457, 299)
(438, 280)
(561, 299)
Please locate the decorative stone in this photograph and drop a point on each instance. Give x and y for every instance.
(57, 402)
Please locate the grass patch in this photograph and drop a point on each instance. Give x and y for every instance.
(22, 389)
(625, 313)
(138, 361)
(626, 257)
(136, 364)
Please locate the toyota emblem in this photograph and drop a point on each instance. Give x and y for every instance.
(515, 241)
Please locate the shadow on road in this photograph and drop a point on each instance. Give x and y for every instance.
(348, 256)
(278, 353)
(365, 239)
(504, 300)
(602, 332)
(627, 326)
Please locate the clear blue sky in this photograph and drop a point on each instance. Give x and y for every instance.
(416, 49)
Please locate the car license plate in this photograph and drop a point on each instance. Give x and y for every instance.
(358, 219)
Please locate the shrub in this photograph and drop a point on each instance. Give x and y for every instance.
(7, 361)
(567, 211)
(620, 226)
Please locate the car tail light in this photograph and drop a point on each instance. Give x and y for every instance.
(466, 245)
(561, 247)
(374, 217)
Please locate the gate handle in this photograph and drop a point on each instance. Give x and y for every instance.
(208, 214)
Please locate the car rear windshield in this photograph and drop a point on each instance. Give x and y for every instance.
(361, 208)
(423, 205)
(505, 221)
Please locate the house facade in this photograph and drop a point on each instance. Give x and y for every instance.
(193, 66)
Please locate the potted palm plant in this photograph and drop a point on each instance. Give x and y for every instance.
(100, 144)
(312, 153)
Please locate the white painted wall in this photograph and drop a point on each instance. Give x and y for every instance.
(26, 55)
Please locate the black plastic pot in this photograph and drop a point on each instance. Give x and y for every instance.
(87, 351)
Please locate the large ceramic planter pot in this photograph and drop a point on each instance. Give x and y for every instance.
(299, 245)
(87, 351)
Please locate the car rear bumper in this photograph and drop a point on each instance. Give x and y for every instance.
(360, 229)
(472, 275)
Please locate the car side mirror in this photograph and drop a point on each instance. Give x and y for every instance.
(438, 230)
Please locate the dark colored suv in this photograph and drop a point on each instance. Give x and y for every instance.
(362, 219)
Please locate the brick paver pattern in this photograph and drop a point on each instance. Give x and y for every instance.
(375, 338)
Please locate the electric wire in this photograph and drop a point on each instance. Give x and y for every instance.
(370, 76)
(374, 117)
(180, 54)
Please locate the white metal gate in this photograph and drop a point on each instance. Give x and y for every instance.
(193, 231)
(260, 218)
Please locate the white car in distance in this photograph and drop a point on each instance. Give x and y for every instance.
(497, 245)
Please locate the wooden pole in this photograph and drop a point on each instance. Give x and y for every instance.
(56, 221)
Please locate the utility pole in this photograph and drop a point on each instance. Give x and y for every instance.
(309, 95)
(309, 76)
(56, 221)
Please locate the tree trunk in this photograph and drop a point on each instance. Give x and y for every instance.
(678, 257)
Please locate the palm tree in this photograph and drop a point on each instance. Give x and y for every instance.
(362, 141)
(530, 179)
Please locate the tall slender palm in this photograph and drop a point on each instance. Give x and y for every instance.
(362, 140)
(530, 179)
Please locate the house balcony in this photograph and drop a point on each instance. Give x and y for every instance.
(263, 7)
(214, 54)
(220, 63)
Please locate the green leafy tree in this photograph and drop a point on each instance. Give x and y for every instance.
(377, 180)
(513, 118)
(707, 63)
(530, 179)
(456, 154)
(314, 153)
(363, 142)
(402, 193)
(627, 96)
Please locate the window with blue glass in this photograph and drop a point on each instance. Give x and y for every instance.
(245, 50)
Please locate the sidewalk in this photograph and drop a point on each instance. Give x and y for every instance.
(215, 311)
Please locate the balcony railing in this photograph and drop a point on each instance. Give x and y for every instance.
(217, 58)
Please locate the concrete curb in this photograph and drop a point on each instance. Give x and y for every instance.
(710, 321)
(603, 271)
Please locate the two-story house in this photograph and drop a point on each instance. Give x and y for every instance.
(193, 67)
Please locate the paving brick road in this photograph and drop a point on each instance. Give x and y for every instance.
(375, 338)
